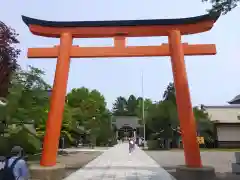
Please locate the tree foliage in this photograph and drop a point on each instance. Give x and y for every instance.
(85, 110)
(132, 106)
(68, 124)
(26, 102)
(162, 119)
(26, 99)
(162, 116)
(120, 106)
(223, 6)
(170, 93)
(86, 104)
(8, 56)
(8, 51)
(90, 112)
(204, 125)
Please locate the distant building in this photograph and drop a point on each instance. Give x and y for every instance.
(126, 126)
(226, 120)
(235, 100)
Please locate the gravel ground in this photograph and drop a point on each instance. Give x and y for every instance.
(77, 160)
(221, 161)
(74, 161)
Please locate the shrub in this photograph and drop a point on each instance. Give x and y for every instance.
(30, 143)
(153, 144)
(114, 142)
(5, 146)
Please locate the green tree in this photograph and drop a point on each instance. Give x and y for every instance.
(204, 125)
(89, 110)
(86, 104)
(120, 106)
(8, 56)
(170, 93)
(147, 103)
(201, 116)
(26, 102)
(68, 124)
(223, 6)
(26, 99)
(131, 105)
(162, 116)
(139, 110)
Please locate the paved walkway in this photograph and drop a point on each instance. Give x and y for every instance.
(117, 164)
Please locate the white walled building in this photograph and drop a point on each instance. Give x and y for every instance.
(226, 119)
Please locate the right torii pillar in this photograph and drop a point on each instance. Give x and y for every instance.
(184, 105)
(193, 169)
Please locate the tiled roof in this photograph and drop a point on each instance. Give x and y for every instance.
(236, 98)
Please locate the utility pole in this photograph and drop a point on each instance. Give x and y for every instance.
(143, 112)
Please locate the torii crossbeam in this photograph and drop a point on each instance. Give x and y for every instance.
(120, 50)
(120, 30)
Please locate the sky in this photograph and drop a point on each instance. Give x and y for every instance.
(213, 80)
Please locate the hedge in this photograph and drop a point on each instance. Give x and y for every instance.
(153, 144)
(27, 141)
(30, 143)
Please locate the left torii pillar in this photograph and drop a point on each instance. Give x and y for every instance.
(54, 122)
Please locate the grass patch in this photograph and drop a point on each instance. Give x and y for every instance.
(201, 149)
(35, 157)
(221, 149)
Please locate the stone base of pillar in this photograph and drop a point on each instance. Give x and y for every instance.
(236, 168)
(187, 173)
(236, 165)
(237, 157)
(38, 172)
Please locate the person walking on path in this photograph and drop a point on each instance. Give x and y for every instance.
(131, 145)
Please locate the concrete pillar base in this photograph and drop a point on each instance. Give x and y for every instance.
(236, 168)
(187, 173)
(38, 172)
(237, 156)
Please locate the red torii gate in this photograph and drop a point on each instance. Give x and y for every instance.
(119, 30)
